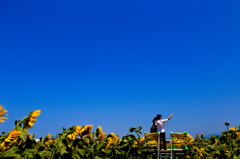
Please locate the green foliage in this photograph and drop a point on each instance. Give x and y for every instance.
(129, 146)
(225, 146)
(80, 143)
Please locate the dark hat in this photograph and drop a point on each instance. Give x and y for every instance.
(159, 116)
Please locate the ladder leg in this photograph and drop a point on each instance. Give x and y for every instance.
(158, 145)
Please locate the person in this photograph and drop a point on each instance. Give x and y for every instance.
(154, 127)
(160, 128)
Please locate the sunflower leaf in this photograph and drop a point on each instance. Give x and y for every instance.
(132, 129)
(23, 136)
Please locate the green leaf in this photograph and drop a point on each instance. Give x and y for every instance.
(44, 154)
(23, 136)
(19, 128)
(12, 155)
(235, 157)
(59, 143)
(81, 152)
(75, 155)
(98, 147)
(62, 151)
(139, 152)
(132, 129)
(216, 147)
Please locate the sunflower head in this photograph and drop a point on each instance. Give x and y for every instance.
(10, 139)
(102, 136)
(31, 118)
(86, 130)
(140, 141)
(2, 114)
(47, 143)
(48, 136)
(30, 135)
(99, 132)
(115, 138)
(73, 135)
(78, 129)
(91, 137)
(110, 141)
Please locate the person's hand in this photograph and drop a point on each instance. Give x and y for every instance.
(170, 116)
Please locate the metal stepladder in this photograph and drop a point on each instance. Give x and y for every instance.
(163, 154)
(155, 137)
(179, 141)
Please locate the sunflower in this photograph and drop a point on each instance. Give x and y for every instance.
(135, 143)
(141, 140)
(85, 130)
(47, 143)
(108, 144)
(114, 138)
(91, 137)
(73, 135)
(48, 136)
(100, 135)
(99, 132)
(2, 115)
(32, 119)
(78, 129)
(10, 139)
(232, 128)
(228, 154)
(30, 135)
(103, 136)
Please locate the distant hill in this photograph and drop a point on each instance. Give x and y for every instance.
(208, 136)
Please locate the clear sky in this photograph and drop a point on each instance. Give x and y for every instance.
(119, 63)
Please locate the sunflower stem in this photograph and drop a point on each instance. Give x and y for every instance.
(19, 123)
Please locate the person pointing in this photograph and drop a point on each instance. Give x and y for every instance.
(160, 128)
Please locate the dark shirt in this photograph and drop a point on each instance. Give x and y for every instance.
(153, 129)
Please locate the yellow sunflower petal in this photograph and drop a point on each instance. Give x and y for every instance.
(30, 123)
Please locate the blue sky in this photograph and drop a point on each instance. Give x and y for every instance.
(119, 63)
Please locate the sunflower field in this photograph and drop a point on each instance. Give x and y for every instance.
(81, 142)
(75, 142)
(227, 145)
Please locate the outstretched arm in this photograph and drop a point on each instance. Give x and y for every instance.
(170, 116)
